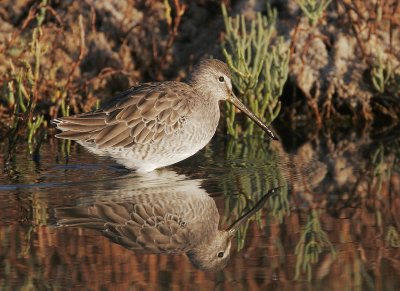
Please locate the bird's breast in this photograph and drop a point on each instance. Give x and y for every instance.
(206, 117)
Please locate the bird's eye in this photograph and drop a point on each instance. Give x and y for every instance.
(220, 254)
(221, 79)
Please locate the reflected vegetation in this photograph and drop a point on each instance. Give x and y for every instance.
(334, 222)
(243, 191)
(313, 239)
(177, 218)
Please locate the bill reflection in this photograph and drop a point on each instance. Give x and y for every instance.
(165, 220)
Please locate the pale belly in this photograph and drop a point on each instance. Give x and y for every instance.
(170, 150)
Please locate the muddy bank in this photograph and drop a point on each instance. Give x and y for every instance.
(343, 69)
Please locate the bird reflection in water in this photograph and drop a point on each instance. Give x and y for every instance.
(175, 219)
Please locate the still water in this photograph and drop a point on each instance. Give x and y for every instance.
(331, 222)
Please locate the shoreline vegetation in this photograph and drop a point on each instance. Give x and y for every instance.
(326, 63)
(320, 68)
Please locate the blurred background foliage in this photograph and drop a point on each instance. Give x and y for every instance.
(326, 71)
(259, 67)
(315, 59)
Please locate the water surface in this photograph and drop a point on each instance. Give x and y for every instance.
(334, 222)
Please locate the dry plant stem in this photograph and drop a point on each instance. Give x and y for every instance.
(312, 103)
(391, 26)
(310, 38)
(310, 100)
(353, 27)
(173, 26)
(82, 48)
(81, 52)
(31, 16)
(328, 110)
(92, 18)
(371, 24)
(294, 37)
(55, 14)
(105, 73)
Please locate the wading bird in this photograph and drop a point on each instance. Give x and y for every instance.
(176, 222)
(154, 125)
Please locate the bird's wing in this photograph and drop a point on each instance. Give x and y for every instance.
(140, 115)
(134, 226)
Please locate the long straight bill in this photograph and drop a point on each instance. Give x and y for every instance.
(242, 220)
(235, 101)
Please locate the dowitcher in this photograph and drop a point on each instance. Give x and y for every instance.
(184, 220)
(153, 125)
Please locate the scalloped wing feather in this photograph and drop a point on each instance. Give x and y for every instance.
(140, 115)
(135, 226)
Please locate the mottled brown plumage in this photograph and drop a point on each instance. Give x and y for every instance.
(170, 223)
(141, 115)
(157, 124)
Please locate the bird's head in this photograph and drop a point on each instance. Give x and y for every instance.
(213, 78)
(212, 255)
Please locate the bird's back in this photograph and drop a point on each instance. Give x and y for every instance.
(149, 221)
(146, 127)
